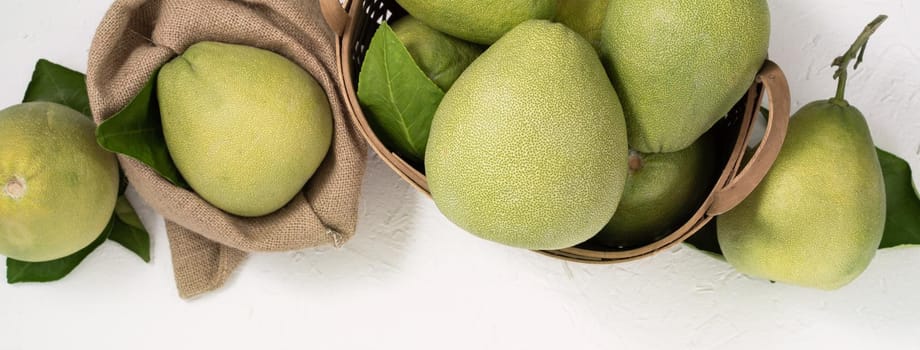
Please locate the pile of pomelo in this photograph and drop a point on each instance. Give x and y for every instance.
(540, 124)
(543, 124)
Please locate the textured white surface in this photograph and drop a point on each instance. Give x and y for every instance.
(412, 280)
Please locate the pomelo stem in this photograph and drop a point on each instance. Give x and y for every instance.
(635, 161)
(856, 51)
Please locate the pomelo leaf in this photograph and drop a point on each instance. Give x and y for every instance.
(400, 98)
(902, 222)
(55, 83)
(47, 271)
(129, 231)
(122, 182)
(136, 131)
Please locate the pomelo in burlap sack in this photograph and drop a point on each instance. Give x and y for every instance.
(246, 127)
(136, 37)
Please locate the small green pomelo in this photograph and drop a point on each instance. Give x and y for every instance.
(481, 22)
(663, 190)
(441, 56)
(529, 148)
(681, 65)
(585, 17)
(246, 127)
(58, 186)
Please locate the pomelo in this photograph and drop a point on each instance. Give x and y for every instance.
(58, 186)
(818, 217)
(681, 65)
(441, 56)
(246, 127)
(585, 17)
(528, 148)
(481, 22)
(662, 192)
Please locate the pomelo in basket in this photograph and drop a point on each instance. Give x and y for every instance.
(441, 56)
(681, 65)
(528, 148)
(663, 191)
(585, 17)
(481, 22)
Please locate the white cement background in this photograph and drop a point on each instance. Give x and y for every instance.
(412, 280)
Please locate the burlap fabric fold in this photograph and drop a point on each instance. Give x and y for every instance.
(136, 37)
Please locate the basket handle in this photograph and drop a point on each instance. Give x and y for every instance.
(743, 184)
(335, 15)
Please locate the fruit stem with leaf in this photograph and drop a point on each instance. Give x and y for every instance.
(857, 50)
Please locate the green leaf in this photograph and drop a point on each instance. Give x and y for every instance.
(129, 231)
(122, 182)
(55, 83)
(136, 131)
(47, 271)
(399, 96)
(125, 212)
(902, 222)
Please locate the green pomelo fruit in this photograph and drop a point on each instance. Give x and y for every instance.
(529, 148)
(680, 66)
(586, 17)
(817, 219)
(481, 22)
(246, 127)
(58, 186)
(663, 191)
(441, 56)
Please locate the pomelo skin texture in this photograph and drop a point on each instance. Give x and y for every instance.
(528, 148)
(441, 56)
(58, 186)
(478, 21)
(586, 17)
(817, 219)
(681, 65)
(663, 191)
(246, 127)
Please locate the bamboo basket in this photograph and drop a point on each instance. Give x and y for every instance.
(355, 22)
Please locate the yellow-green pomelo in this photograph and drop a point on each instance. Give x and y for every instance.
(681, 65)
(478, 21)
(59, 186)
(441, 56)
(529, 148)
(586, 17)
(817, 218)
(663, 191)
(246, 127)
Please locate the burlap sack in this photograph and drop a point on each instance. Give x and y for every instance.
(138, 36)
